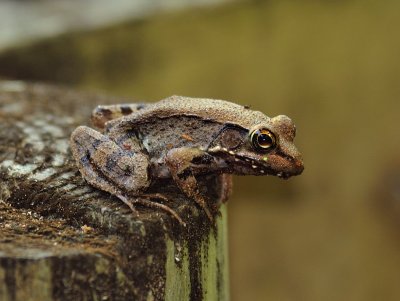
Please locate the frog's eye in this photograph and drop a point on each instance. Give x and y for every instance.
(262, 139)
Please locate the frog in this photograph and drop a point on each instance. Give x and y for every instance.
(181, 138)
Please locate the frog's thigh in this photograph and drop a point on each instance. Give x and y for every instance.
(104, 164)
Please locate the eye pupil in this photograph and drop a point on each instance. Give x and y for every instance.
(262, 139)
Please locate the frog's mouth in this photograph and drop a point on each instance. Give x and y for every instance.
(275, 163)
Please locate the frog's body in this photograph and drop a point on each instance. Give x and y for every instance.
(179, 138)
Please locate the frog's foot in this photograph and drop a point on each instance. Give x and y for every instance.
(147, 201)
(143, 200)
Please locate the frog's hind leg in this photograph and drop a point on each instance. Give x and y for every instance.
(108, 166)
(102, 114)
(105, 165)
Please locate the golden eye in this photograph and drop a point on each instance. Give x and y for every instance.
(263, 139)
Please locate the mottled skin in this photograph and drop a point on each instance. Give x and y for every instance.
(180, 138)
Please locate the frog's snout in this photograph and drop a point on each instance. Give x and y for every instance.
(298, 166)
(286, 166)
(295, 165)
(295, 169)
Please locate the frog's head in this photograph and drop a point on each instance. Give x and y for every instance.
(264, 149)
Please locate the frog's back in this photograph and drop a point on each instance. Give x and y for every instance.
(208, 109)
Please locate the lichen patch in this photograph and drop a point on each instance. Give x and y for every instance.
(43, 174)
(58, 160)
(61, 146)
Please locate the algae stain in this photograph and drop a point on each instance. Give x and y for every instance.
(215, 277)
(197, 269)
(102, 266)
(35, 278)
(177, 283)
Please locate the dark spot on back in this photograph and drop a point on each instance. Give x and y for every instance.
(126, 110)
(105, 112)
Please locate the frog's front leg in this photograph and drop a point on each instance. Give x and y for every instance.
(180, 164)
(225, 181)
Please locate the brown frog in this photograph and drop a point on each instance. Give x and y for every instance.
(181, 138)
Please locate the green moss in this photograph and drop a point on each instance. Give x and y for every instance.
(213, 268)
(31, 281)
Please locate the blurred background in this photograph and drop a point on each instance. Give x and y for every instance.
(332, 66)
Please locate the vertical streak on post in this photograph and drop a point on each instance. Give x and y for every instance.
(31, 275)
(223, 254)
(213, 254)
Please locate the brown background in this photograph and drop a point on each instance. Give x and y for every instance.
(334, 68)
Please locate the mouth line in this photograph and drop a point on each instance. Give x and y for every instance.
(263, 169)
(256, 164)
